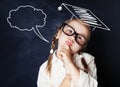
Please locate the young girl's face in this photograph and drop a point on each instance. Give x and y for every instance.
(74, 34)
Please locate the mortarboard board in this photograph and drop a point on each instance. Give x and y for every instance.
(85, 15)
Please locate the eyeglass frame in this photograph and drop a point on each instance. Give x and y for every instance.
(75, 33)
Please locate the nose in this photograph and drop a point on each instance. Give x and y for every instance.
(72, 38)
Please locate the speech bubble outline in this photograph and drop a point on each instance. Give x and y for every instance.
(35, 29)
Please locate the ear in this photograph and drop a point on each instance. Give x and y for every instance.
(58, 34)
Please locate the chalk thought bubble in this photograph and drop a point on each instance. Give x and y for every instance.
(27, 18)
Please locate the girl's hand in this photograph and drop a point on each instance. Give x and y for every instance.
(67, 57)
(65, 54)
(66, 81)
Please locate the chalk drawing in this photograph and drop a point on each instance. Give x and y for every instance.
(85, 15)
(27, 18)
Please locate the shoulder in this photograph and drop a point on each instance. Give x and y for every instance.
(88, 57)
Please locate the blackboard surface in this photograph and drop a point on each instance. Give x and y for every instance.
(23, 51)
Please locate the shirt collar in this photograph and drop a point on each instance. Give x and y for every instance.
(56, 59)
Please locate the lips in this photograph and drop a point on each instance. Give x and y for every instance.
(68, 43)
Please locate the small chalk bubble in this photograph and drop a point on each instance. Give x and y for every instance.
(59, 8)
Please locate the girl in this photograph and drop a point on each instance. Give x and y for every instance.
(68, 65)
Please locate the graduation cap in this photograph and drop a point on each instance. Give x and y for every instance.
(85, 15)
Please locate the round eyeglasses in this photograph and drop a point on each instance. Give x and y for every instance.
(69, 31)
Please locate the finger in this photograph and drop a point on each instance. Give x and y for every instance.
(65, 47)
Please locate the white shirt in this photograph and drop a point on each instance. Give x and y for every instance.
(58, 72)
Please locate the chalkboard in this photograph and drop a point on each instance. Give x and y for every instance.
(26, 30)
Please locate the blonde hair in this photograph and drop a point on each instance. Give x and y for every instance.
(54, 42)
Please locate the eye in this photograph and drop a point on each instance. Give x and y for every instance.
(80, 37)
(81, 40)
(69, 31)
